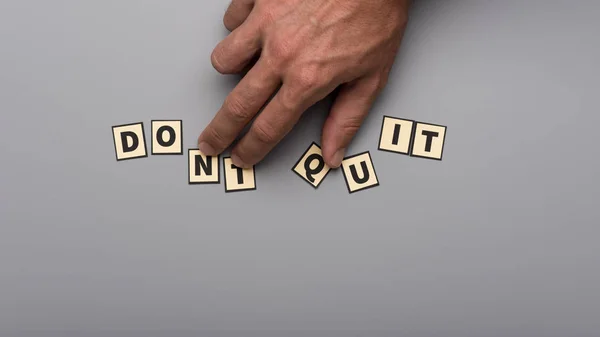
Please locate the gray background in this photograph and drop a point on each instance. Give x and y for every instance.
(499, 239)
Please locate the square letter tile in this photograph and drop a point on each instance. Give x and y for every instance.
(202, 169)
(311, 166)
(396, 135)
(237, 179)
(428, 141)
(359, 172)
(130, 141)
(167, 137)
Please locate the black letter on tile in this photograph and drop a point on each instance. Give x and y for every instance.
(429, 135)
(366, 174)
(201, 165)
(240, 174)
(134, 138)
(396, 134)
(310, 172)
(160, 139)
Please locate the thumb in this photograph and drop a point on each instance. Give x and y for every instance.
(347, 114)
(237, 12)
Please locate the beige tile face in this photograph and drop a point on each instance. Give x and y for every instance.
(166, 137)
(311, 167)
(238, 179)
(202, 169)
(129, 141)
(396, 135)
(429, 141)
(359, 172)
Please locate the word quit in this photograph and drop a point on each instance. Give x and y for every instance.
(401, 136)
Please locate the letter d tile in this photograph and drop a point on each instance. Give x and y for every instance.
(130, 142)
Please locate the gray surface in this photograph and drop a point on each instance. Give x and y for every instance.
(499, 239)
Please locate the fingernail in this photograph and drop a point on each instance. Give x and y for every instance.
(336, 161)
(238, 162)
(207, 149)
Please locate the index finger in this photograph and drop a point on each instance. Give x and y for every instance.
(240, 106)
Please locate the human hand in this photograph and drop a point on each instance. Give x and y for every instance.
(306, 49)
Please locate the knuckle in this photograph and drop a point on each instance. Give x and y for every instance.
(281, 49)
(289, 99)
(307, 79)
(215, 139)
(235, 109)
(266, 15)
(264, 133)
(350, 124)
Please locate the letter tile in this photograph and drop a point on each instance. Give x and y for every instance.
(396, 135)
(311, 166)
(359, 172)
(238, 179)
(428, 141)
(202, 169)
(167, 137)
(129, 140)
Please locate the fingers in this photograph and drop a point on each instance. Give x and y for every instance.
(234, 53)
(347, 114)
(242, 104)
(237, 12)
(273, 124)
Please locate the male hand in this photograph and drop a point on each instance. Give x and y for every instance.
(306, 49)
